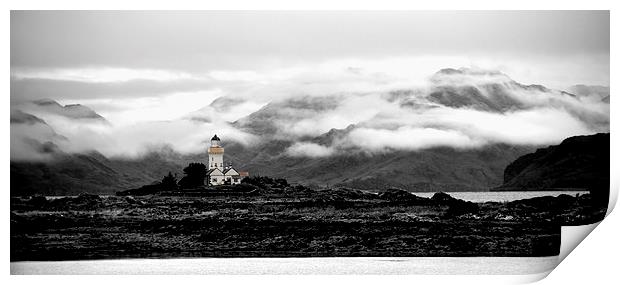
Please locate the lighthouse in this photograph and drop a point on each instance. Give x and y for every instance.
(219, 174)
(216, 154)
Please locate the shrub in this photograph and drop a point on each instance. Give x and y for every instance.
(195, 174)
(169, 182)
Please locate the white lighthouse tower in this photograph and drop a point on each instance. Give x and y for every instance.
(216, 154)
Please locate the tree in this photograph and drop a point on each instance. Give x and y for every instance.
(195, 174)
(169, 182)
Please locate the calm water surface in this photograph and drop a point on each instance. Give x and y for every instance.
(472, 196)
(501, 196)
(337, 265)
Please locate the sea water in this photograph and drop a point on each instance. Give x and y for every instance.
(504, 196)
(336, 265)
(477, 197)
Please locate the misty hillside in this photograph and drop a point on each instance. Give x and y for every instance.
(488, 96)
(71, 174)
(435, 169)
(598, 92)
(457, 134)
(32, 137)
(465, 89)
(440, 169)
(72, 111)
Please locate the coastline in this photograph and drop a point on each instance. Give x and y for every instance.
(343, 223)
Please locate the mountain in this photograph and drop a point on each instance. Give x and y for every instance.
(19, 117)
(577, 162)
(72, 174)
(39, 166)
(464, 88)
(490, 91)
(32, 137)
(435, 169)
(223, 108)
(282, 123)
(595, 91)
(273, 117)
(72, 111)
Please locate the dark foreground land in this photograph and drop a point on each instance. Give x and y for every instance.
(290, 222)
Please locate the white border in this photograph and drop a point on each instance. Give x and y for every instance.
(595, 260)
(311, 5)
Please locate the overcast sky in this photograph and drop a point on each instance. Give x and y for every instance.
(154, 66)
(215, 40)
(73, 55)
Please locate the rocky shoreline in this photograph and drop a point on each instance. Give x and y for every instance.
(290, 222)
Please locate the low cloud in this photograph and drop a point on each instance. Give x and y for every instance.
(184, 136)
(408, 138)
(463, 128)
(102, 74)
(35, 142)
(309, 149)
(454, 128)
(389, 108)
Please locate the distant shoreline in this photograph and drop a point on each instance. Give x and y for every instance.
(223, 193)
(537, 189)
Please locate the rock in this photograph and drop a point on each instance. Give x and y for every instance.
(409, 217)
(546, 202)
(399, 195)
(88, 196)
(37, 201)
(131, 200)
(456, 207)
(442, 197)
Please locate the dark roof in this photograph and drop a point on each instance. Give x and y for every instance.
(215, 138)
(211, 171)
(228, 169)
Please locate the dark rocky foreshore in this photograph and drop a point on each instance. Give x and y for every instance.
(290, 221)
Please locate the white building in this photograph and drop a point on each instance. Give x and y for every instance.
(218, 173)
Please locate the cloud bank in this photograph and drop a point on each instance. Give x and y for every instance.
(174, 78)
(329, 109)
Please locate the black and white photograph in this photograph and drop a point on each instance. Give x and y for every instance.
(303, 142)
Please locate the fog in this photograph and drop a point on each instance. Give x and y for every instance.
(175, 79)
(299, 110)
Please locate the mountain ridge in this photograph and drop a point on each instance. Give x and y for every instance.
(434, 168)
(577, 162)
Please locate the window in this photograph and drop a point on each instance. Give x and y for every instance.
(214, 179)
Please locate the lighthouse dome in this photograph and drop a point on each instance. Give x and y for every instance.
(215, 141)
